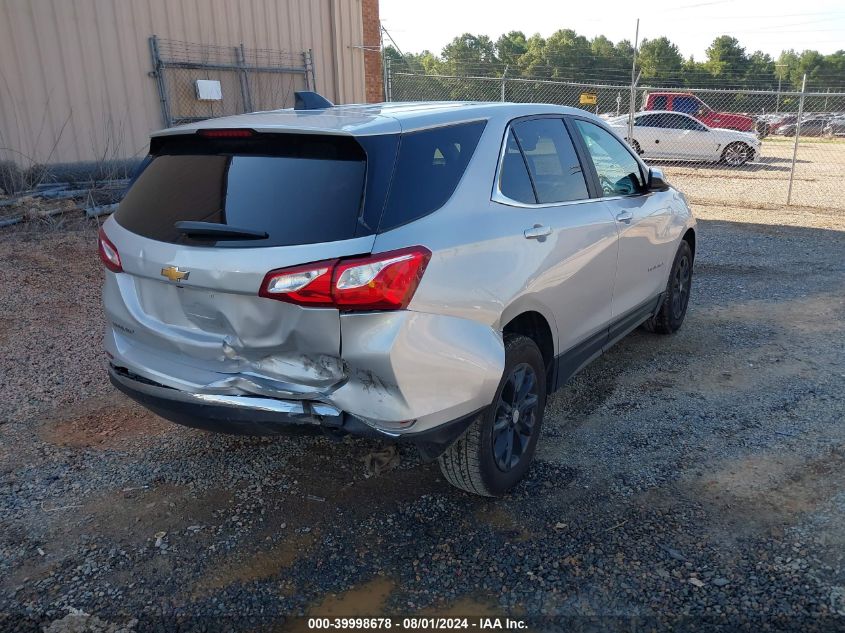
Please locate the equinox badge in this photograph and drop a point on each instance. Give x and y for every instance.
(174, 274)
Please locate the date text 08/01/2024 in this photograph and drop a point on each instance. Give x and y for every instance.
(417, 624)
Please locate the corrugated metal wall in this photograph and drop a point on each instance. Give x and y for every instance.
(74, 74)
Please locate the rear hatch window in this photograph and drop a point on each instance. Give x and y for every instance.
(292, 189)
(284, 189)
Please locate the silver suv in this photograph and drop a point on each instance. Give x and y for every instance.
(418, 272)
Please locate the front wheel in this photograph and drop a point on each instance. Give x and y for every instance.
(494, 453)
(673, 309)
(635, 146)
(737, 154)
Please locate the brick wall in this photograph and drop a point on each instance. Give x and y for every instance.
(372, 58)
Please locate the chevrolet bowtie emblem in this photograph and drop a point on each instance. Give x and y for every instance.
(174, 274)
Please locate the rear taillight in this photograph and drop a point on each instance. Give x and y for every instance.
(379, 282)
(386, 281)
(109, 254)
(309, 285)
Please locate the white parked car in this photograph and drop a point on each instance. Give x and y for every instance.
(676, 136)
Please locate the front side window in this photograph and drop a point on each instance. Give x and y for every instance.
(659, 103)
(551, 160)
(687, 105)
(618, 171)
(679, 122)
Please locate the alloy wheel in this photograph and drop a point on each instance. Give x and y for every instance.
(681, 287)
(736, 155)
(515, 416)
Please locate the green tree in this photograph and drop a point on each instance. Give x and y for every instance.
(569, 55)
(660, 60)
(601, 47)
(471, 55)
(786, 68)
(611, 63)
(814, 64)
(510, 47)
(694, 73)
(726, 59)
(760, 72)
(533, 63)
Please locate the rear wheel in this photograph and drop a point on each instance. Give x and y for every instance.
(670, 316)
(737, 154)
(496, 451)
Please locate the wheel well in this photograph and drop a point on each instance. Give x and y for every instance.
(689, 237)
(534, 326)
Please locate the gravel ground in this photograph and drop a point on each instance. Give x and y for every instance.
(687, 482)
(819, 172)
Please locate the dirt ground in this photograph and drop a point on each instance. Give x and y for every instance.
(688, 482)
(764, 182)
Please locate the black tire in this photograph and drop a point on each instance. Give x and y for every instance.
(737, 154)
(635, 146)
(474, 462)
(673, 309)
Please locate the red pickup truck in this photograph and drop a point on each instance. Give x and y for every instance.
(688, 103)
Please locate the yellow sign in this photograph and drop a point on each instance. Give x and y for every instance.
(588, 98)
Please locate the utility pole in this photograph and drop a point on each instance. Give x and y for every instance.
(632, 102)
(797, 134)
(780, 78)
(383, 62)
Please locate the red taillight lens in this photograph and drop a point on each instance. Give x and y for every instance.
(109, 254)
(379, 282)
(309, 285)
(386, 281)
(223, 133)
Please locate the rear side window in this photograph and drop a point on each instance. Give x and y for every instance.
(513, 179)
(651, 120)
(659, 102)
(618, 171)
(298, 189)
(428, 169)
(552, 162)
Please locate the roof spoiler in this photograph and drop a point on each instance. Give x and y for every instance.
(309, 100)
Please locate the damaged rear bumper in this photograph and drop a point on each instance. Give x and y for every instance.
(402, 373)
(257, 415)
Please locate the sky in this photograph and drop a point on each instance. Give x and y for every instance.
(767, 25)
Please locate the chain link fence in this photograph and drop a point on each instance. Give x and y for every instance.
(194, 82)
(232, 79)
(732, 147)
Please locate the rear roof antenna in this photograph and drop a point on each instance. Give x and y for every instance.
(310, 100)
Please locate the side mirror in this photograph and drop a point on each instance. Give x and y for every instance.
(656, 180)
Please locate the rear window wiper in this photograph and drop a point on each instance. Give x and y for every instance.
(213, 230)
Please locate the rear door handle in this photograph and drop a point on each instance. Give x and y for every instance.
(624, 216)
(537, 232)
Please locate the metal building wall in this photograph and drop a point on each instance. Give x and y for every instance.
(74, 74)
